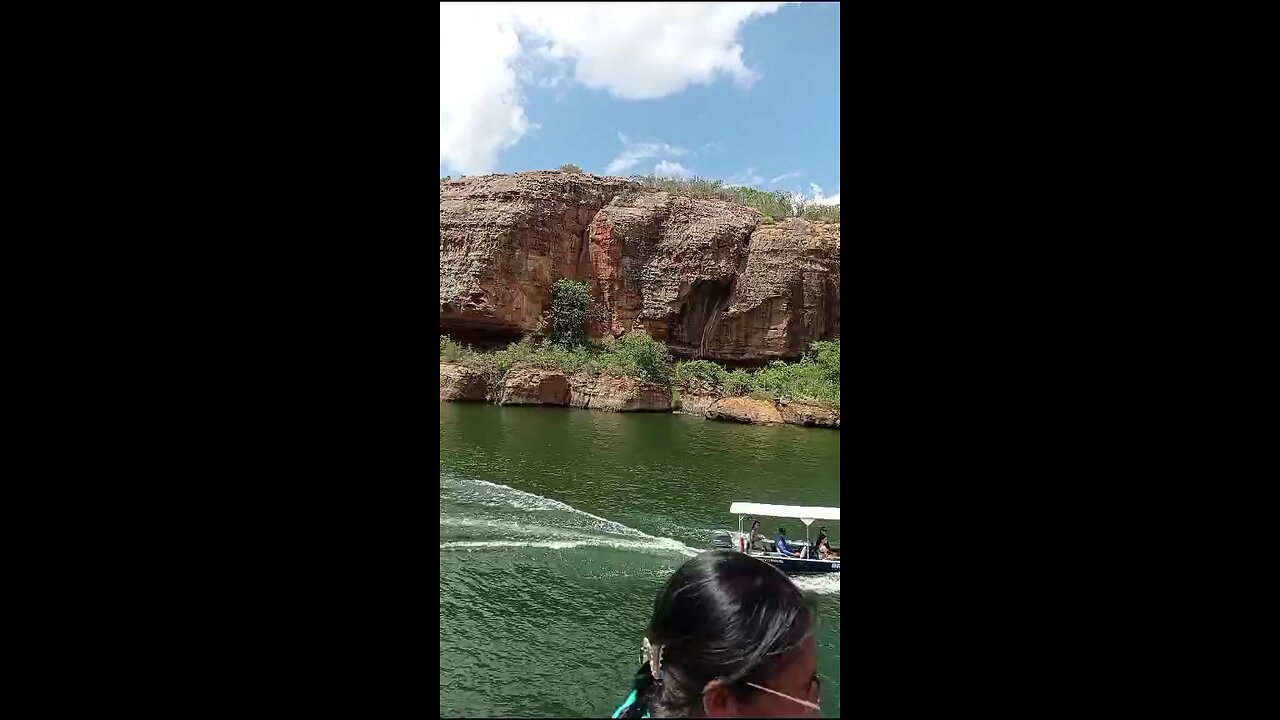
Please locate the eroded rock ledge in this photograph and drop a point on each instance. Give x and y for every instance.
(536, 386)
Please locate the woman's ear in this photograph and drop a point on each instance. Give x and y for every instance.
(718, 701)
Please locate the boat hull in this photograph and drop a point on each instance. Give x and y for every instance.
(797, 566)
(726, 540)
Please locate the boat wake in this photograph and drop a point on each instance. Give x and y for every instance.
(544, 522)
(480, 515)
(558, 544)
(820, 584)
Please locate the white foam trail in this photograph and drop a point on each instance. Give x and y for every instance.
(564, 545)
(821, 584)
(511, 527)
(529, 501)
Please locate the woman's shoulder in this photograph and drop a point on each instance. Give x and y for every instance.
(626, 704)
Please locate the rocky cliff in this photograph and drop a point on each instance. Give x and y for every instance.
(710, 278)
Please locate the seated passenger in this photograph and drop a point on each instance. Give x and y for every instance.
(783, 547)
(824, 548)
(755, 539)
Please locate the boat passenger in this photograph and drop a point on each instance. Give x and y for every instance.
(783, 547)
(824, 548)
(730, 636)
(756, 539)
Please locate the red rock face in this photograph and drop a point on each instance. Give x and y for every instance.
(697, 396)
(532, 386)
(704, 276)
(808, 415)
(745, 410)
(617, 394)
(787, 295)
(462, 383)
(667, 265)
(504, 239)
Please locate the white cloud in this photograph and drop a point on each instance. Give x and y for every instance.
(711, 145)
(746, 178)
(634, 51)
(817, 198)
(672, 169)
(642, 51)
(635, 152)
(780, 178)
(480, 105)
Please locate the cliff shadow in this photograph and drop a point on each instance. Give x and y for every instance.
(480, 336)
(695, 323)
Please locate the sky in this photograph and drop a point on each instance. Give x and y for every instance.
(747, 93)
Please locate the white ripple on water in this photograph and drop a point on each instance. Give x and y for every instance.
(488, 526)
(821, 584)
(505, 496)
(563, 545)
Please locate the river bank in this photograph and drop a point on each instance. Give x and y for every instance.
(634, 373)
(536, 386)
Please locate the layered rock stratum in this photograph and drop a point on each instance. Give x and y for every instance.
(710, 278)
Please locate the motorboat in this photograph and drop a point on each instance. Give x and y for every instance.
(807, 564)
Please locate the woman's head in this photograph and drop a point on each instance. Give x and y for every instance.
(755, 524)
(729, 625)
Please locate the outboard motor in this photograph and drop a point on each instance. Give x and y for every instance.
(722, 540)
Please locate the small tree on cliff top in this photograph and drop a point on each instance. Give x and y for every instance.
(570, 312)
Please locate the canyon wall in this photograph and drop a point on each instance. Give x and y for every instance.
(710, 278)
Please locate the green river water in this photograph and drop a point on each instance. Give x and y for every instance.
(559, 526)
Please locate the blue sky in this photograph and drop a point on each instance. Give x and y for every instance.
(748, 93)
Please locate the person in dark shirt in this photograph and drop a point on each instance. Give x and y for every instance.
(783, 547)
(755, 540)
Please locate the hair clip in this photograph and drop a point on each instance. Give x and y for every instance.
(652, 653)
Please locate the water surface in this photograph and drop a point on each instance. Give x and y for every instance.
(559, 527)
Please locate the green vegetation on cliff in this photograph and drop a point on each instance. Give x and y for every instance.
(633, 355)
(570, 312)
(814, 379)
(774, 205)
(566, 347)
(825, 213)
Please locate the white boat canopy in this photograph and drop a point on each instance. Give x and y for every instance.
(803, 513)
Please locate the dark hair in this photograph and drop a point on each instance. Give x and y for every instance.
(782, 530)
(755, 523)
(721, 615)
